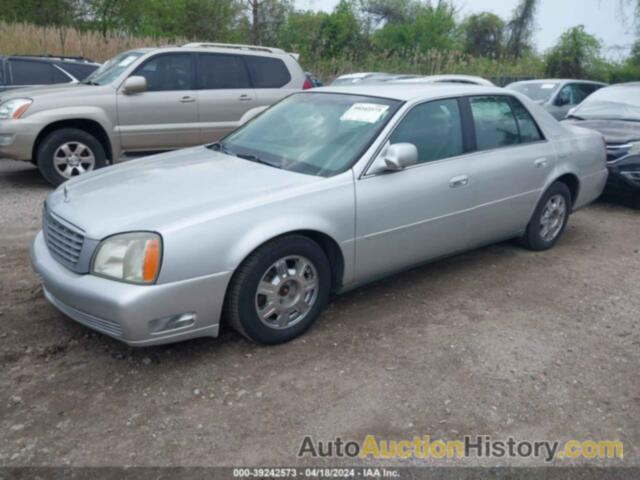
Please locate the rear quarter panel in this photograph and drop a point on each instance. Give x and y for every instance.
(582, 152)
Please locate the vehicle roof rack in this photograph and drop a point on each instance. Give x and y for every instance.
(237, 46)
(61, 57)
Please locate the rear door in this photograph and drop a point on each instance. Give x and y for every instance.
(225, 94)
(271, 79)
(165, 116)
(513, 161)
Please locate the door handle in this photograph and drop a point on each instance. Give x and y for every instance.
(244, 98)
(541, 162)
(187, 99)
(460, 181)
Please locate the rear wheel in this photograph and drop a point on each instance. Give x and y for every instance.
(549, 219)
(68, 153)
(279, 290)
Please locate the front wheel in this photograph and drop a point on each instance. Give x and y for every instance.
(279, 290)
(549, 219)
(67, 153)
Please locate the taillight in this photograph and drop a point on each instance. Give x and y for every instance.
(307, 84)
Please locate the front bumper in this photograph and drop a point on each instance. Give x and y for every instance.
(126, 312)
(624, 174)
(17, 138)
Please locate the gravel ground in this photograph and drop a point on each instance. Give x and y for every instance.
(499, 341)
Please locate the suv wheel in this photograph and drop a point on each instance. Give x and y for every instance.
(68, 153)
(549, 219)
(279, 290)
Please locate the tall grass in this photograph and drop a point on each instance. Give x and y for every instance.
(21, 38)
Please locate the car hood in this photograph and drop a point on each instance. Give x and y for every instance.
(615, 132)
(161, 192)
(48, 91)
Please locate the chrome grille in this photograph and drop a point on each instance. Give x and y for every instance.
(64, 241)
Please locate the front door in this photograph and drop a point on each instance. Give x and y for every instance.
(422, 212)
(165, 116)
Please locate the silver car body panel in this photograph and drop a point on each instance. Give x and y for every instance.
(212, 210)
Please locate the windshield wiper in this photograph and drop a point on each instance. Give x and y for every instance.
(89, 82)
(220, 147)
(577, 117)
(255, 158)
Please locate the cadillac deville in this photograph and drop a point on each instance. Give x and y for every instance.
(324, 191)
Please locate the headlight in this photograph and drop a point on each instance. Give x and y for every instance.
(129, 257)
(14, 108)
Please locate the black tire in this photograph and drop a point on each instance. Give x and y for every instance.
(533, 238)
(49, 146)
(240, 309)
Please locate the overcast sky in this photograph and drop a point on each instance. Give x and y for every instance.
(603, 18)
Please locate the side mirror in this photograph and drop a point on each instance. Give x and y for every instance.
(572, 111)
(134, 84)
(400, 156)
(251, 114)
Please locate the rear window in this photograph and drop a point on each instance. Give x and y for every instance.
(268, 72)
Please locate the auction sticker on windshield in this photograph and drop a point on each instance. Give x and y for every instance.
(364, 112)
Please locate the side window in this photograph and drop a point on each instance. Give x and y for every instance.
(495, 122)
(583, 90)
(28, 72)
(221, 72)
(529, 131)
(168, 72)
(78, 70)
(434, 128)
(268, 72)
(574, 93)
(59, 77)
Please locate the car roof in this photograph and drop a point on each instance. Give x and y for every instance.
(558, 80)
(406, 92)
(220, 48)
(54, 59)
(471, 79)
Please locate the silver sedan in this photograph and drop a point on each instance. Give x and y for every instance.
(323, 192)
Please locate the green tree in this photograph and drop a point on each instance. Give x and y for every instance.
(483, 35)
(340, 33)
(303, 33)
(520, 29)
(430, 27)
(577, 55)
(41, 12)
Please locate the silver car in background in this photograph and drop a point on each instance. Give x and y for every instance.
(325, 191)
(143, 100)
(555, 95)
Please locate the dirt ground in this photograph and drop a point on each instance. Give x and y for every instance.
(499, 341)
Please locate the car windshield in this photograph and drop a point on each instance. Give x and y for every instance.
(112, 68)
(314, 133)
(537, 91)
(613, 103)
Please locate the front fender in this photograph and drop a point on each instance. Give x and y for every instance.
(48, 117)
